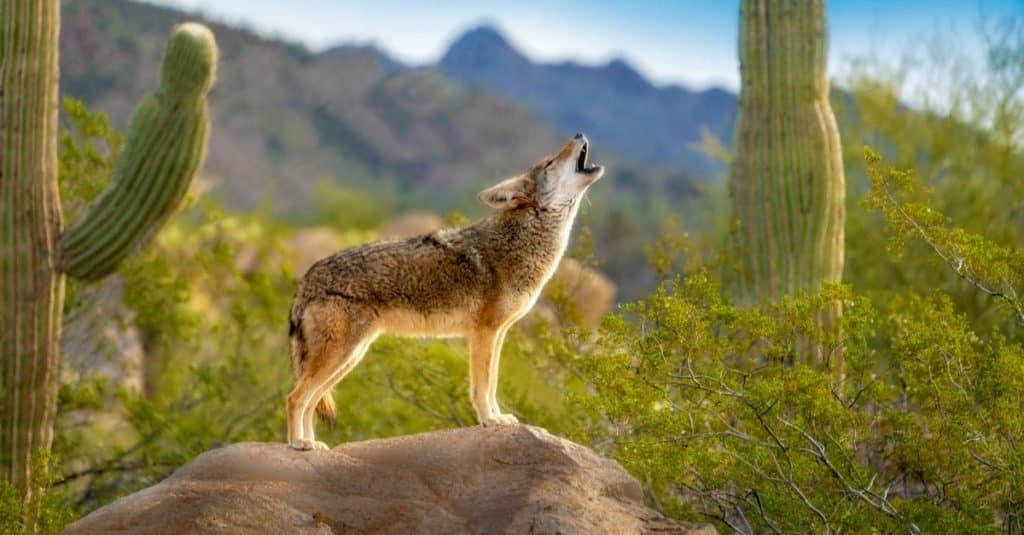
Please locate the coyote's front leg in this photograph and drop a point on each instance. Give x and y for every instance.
(484, 352)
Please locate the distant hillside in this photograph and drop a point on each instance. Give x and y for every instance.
(613, 102)
(285, 119)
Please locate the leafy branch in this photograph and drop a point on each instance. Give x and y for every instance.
(991, 268)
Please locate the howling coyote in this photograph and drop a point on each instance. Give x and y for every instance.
(473, 282)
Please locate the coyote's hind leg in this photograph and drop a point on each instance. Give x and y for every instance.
(346, 360)
(334, 347)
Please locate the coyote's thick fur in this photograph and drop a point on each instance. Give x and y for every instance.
(474, 282)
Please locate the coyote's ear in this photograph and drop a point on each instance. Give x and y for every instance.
(508, 194)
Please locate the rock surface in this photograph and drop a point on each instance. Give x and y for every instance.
(515, 479)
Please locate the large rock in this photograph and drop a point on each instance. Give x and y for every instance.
(591, 293)
(99, 337)
(411, 224)
(515, 479)
(312, 244)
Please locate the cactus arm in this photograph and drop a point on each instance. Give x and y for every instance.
(164, 148)
(30, 288)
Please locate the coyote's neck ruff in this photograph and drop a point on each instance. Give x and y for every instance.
(473, 282)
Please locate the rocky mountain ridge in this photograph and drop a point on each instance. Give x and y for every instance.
(286, 119)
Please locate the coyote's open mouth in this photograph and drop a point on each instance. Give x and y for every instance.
(581, 162)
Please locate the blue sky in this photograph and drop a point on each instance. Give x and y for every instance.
(692, 42)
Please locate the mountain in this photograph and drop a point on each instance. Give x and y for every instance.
(285, 120)
(613, 103)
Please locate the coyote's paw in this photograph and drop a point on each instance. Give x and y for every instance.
(305, 445)
(501, 419)
(507, 419)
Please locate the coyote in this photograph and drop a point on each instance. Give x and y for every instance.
(472, 282)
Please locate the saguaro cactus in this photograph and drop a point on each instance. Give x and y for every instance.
(30, 287)
(165, 146)
(787, 184)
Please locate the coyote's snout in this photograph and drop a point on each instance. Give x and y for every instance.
(473, 282)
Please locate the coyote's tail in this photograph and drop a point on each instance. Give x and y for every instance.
(325, 407)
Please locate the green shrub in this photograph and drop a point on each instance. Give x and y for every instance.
(43, 512)
(912, 423)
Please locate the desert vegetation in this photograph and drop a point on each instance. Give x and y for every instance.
(910, 418)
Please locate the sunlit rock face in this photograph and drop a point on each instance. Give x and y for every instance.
(512, 479)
